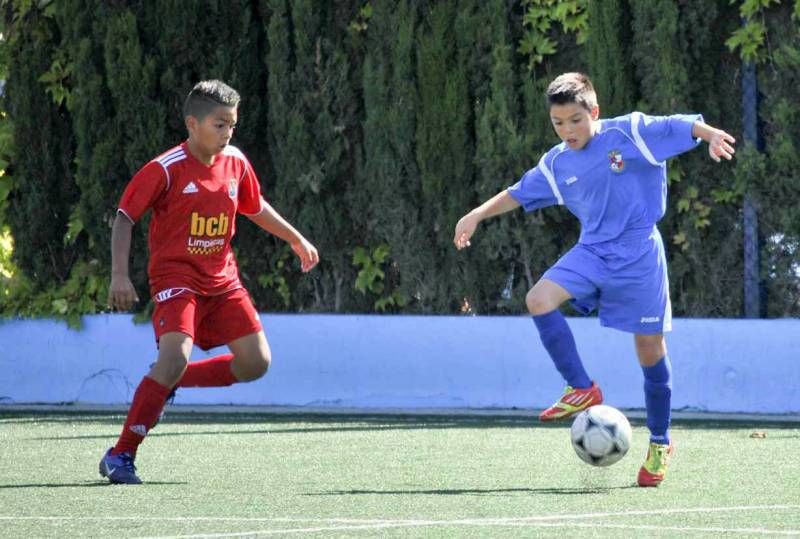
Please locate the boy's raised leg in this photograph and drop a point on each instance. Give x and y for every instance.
(559, 342)
(212, 372)
(249, 360)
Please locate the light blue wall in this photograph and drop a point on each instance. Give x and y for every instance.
(414, 362)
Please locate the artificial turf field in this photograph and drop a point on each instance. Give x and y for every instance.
(263, 475)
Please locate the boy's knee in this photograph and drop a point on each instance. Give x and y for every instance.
(262, 365)
(252, 367)
(168, 369)
(650, 349)
(538, 303)
(545, 296)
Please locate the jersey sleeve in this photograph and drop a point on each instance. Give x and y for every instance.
(535, 190)
(249, 190)
(143, 191)
(664, 136)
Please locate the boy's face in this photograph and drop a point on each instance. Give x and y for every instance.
(574, 124)
(209, 136)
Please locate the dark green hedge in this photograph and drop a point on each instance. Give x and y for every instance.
(374, 126)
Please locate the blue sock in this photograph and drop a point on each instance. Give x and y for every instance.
(560, 344)
(657, 395)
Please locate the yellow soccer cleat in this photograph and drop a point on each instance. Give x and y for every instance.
(652, 472)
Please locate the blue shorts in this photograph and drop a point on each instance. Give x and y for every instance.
(624, 279)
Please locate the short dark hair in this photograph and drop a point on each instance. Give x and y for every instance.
(572, 88)
(208, 95)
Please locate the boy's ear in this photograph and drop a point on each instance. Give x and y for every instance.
(595, 112)
(191, 123)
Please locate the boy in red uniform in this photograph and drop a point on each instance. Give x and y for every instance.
(194, 191)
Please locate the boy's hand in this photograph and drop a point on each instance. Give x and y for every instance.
(307, 254)
(720, 145)
(121, 293)
(465, 228)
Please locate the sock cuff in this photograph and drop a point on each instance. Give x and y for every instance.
(151, 386)
(660, 438)
(661, 372)
(549, 320)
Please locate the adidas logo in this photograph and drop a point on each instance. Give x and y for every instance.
(141, 430)
(571, 180)
(190, 188)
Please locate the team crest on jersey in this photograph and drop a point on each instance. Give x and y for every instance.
(232, 188)
(616, 163)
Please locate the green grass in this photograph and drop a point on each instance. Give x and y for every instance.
(366, 476)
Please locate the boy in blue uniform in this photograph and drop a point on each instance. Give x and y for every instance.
(611, 174)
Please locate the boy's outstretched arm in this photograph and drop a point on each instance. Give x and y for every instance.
(271, 221)
(121, 293)
(720, 143)
(502, 202)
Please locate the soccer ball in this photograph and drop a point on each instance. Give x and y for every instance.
(601, 435)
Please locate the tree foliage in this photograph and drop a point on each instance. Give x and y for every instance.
(373, 127)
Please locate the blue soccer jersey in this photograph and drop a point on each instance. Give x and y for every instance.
(616, 183)
(616, 186)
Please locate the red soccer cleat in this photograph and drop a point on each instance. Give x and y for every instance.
(573, 401)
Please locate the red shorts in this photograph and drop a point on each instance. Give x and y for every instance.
(209, 320)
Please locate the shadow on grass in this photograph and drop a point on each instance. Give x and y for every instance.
(291, 423)
(177, 416)
(315, 424)
(299, 430)
(288, 424)
(475, 491)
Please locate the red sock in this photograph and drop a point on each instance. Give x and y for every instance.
(148, 401)
(212, 372)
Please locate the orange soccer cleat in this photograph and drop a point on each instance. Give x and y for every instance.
(573, 401)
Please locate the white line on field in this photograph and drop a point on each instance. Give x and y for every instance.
(434, 523)
(549, 521)
(482, 521)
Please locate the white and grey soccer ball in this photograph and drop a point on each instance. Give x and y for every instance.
(601, 435)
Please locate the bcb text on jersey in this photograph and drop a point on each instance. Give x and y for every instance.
(207, 234)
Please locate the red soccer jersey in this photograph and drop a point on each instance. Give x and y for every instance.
(194, 217)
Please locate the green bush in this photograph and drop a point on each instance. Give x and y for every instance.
(373, 127)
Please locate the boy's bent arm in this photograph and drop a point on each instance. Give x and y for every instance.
(121, 293)
(501, 203)
(271, 221)
(719, 142)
